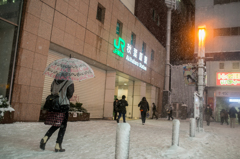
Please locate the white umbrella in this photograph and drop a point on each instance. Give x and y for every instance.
(69, 69)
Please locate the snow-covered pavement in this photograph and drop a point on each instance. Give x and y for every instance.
(96, 140)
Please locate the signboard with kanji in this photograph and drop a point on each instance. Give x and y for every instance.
(228, 79)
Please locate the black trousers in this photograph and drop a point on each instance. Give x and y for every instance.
(61, 132)
(170, 116)
(143, 115)
(154, 114)
(115, 115)
(224, 119)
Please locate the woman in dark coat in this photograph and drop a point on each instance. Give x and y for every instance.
(64, 95)
(144, 107)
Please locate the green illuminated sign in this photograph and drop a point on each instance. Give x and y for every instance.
(121, 44)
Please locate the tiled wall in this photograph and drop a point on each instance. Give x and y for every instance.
(72, 24)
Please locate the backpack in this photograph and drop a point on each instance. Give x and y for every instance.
(52, 101)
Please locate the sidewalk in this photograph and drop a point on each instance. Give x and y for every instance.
(96, 140)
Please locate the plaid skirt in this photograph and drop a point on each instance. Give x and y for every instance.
(54, 119)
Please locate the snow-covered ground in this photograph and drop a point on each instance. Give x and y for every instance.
(96, 139)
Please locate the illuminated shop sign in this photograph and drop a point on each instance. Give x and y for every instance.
(228, 79)
(121, 44)
(234, 100)
(132, 54)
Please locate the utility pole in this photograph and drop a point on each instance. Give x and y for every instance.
(201, 85)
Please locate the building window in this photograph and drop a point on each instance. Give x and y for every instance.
(10, 13)
(153, 14)
(144, 48)
(227, 31)
(133, 39)
(221, 65)
(100, 13)
(235, 65)
(152, 55)
(119, 28)
(158, 20)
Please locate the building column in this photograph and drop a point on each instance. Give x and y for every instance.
(151, 97)
(130, 99)
(139, 92)
(109, 95)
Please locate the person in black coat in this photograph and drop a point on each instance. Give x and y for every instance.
(154, 111)
(122, 108)
(208, 113)
(232, 114)
(65, 95)
(144, 107)
(115, 108)
(169, 111)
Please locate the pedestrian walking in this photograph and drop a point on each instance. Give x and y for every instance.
(222, 115)
(115, 108)
(144, 107)
(232, 114)
(154, 109)
(226, 116)
(208, 113)
(67, 89)
(169, 111)
(121, 106)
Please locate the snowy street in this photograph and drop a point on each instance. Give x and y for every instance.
(96, 140)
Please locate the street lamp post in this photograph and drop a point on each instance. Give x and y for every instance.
(201, 56)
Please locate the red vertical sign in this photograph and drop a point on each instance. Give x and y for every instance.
(211, 102)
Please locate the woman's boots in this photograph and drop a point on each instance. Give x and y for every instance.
(43, 142)
(58, 148)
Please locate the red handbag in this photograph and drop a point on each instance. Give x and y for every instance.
(54, 119)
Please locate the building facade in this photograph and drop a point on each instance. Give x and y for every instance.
(222, 47)
(89, 30)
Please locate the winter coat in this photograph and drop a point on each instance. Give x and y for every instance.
(232, 112)
(69, 93)
(154, 108)
(115, 106)
(222, 113)
(144, 106)
(208, 111)
(226, 114)
(121, 105)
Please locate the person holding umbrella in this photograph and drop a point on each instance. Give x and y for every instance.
(67, 90)
(64, 71)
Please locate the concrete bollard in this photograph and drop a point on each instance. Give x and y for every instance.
(122, 141)
(175, 132)
(192, 127)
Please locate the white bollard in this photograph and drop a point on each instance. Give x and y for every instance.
(122, 141)
(192, 127)
(175, 132)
